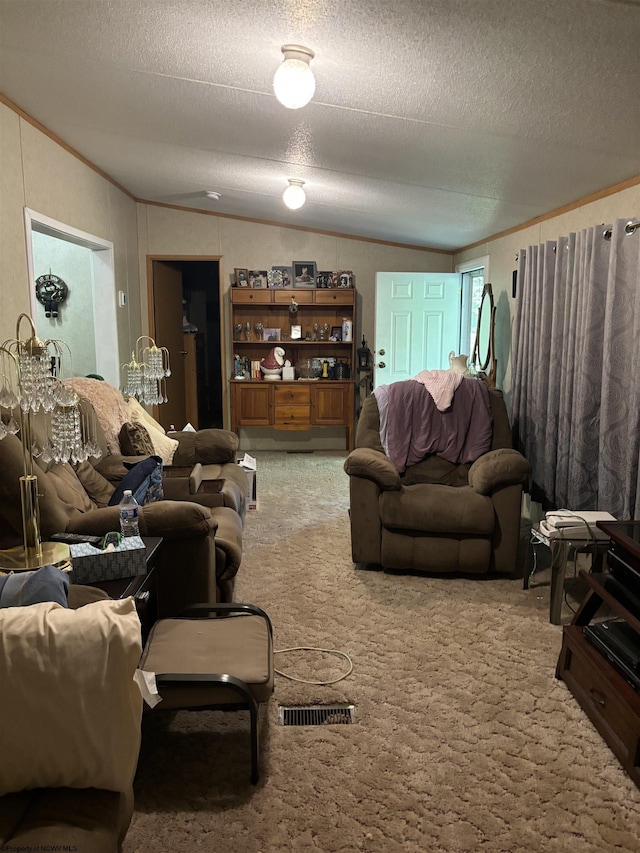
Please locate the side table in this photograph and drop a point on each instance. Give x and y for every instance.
(141, 587)
(561, 550)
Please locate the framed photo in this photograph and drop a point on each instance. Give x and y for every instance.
(336, 333)
(333, 281)
(281, 277)
(296, 333)
(270, 334)
(242, 278)
(257, 278)
(345, 278)
(323, 278)
(304, 273)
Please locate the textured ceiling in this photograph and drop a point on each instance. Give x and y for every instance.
(435, 122)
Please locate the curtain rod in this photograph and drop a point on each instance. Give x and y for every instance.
(630, 228)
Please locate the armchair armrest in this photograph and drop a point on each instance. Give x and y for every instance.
(169, 519)
(498, 468)
(372, 465)
(207, 446)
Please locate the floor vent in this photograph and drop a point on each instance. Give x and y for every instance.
(316, 715)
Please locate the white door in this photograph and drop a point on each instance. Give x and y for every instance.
(417, 323)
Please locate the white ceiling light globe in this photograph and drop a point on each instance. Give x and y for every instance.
(293, 82)
(294, 196)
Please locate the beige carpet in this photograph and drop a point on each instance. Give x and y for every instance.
(464, 740)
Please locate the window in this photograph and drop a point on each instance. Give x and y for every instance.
(474, 274)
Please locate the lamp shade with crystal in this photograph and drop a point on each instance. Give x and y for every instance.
(145, 374)
(294, 83)
(294, 196)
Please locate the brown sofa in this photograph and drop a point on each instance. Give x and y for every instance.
(192, 460)
(201, 549)
(437, 516)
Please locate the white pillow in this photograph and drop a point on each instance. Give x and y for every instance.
(70, 709)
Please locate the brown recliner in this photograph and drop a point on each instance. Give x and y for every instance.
(201, 549)
(437, 516)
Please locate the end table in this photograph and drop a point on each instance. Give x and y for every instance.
(561, 550)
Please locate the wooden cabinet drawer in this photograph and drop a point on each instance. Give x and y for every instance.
(302, 297)
(291, 415)
(296, 394)
(602, 693)
(247, 296)
(334, 297)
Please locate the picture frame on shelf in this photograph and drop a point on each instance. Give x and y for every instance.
(296, 333)
(345, 278)
(280, 277)
(323, 278)
(333, 281)
(242, 277)
(257, 278)
(270, 334)
(336, 333)
(304, 273)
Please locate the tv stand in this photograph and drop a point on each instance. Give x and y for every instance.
(600, 688)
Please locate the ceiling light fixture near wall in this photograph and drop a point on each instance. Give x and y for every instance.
(294, 196)
(213, 195)
(294, 83)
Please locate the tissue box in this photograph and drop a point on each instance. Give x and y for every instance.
(91, 564)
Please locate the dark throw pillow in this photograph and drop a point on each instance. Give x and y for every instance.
(135, 440)
(144, 479)
(21, 589)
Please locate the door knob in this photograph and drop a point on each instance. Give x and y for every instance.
(381, 352)
(381, 364)
(184, 352)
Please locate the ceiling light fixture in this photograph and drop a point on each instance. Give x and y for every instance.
(294, 83)
(213, 195)
(294, 196)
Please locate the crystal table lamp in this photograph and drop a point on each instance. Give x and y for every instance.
(144, 376)
(31, 374)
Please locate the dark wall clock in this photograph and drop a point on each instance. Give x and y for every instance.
(51, 291)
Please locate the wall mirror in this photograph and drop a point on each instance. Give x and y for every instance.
(484, 347)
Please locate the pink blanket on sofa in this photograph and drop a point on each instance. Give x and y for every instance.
(414, 428)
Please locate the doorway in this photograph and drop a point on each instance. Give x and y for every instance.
(417, 323)
(185, 316)
(86, 321)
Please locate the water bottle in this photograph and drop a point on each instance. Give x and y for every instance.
(129, 515)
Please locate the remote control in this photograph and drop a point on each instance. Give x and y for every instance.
(76, 538)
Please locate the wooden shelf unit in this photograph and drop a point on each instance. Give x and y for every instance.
(299, 404)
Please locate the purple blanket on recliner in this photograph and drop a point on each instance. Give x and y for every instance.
(415, 428)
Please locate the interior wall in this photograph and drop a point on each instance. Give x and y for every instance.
(252, 245)
(502, 252)
(73, 264)
(39, 173)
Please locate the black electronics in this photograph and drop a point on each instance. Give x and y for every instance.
(623, 560)
(623, 594)
(76, 538)
(620, 644)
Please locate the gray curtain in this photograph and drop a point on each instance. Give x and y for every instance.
(576, 373)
